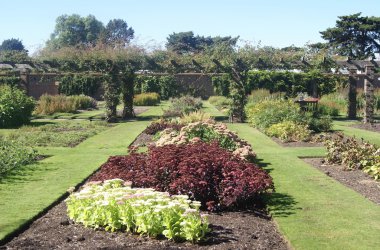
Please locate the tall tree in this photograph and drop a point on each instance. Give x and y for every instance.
(117, 33)
(186, 42)
(12, 44)
(75, 30)
(355, 36)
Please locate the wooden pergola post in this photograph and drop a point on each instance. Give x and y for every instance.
(352, 93)
(369, 90)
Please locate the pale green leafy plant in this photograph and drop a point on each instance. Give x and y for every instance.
(114, 205)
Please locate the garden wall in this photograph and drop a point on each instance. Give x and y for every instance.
(198, 84)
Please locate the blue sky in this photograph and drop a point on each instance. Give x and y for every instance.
(275, 23)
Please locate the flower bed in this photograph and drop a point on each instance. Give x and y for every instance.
(114, 205)
(354, 154)
(205, 172)
(208, 131)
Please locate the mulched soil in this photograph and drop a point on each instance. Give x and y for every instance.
(143, 140)
(354, 179)
(230, 230)
(371, 127)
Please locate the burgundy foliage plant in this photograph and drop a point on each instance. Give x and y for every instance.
(205, 172)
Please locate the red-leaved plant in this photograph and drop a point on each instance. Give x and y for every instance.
(205, 172)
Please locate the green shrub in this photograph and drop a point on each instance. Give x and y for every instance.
(14, 155)
(320, 124)
(288, 131)
(79, 84)
(221, 84)
(264, 114)
(146, 99)
(49, 104)
(11, 80)
(15, 107)
(183, 105)
(166, 86)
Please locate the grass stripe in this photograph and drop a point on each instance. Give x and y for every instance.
(312, 210)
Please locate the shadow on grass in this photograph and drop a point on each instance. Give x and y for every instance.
(280, 205)
(26, 173)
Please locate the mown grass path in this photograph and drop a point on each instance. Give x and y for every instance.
(25, 196)
(312, 210)
(344, 126)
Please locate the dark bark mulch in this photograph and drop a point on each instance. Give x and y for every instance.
(354, 179)
(375, 127)
(230, 230)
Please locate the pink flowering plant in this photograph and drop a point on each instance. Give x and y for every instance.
(208, 131)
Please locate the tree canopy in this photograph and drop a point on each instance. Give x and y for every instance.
(186, 42)
(355, 36)
(74, 30)
(12, 44)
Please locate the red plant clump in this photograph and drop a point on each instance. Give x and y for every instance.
(205, 172)
(155, 127)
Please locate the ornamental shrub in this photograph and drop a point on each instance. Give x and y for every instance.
(146, 99)
(161, 125)
(114, 205)
(183, 105)
(289, 131)
(13, 155)
(205, 172)
(50, 104)
(264, 114)
(15, 107)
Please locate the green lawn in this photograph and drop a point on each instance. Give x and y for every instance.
(344, 126)
(312, 210)
(25, 196)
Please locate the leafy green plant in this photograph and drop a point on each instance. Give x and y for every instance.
(12, 80)
(166, 86)
(49, 104)
(146, 99)
(268, 112)
(183, 105)
(14, 154)
(15, 107)
(288, 131)
(114, 205)
(80, 84)
(354, 154)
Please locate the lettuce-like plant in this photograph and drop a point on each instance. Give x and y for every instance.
(114, 205)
